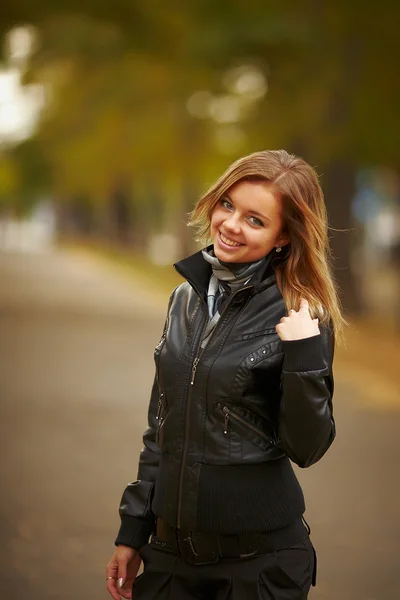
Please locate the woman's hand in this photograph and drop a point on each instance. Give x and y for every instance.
(121, 571)
(298, 325)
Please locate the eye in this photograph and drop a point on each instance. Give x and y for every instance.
(226, 204)
(256, 221)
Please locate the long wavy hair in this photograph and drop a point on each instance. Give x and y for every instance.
(303, 268)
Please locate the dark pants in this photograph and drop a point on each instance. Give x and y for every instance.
(285, 574)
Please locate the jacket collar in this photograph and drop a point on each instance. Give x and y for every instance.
(197, 272)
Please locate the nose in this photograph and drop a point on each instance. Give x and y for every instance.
(232, 224)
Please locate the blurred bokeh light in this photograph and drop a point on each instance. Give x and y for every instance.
(114, 117)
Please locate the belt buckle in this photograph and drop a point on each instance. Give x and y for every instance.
(189, 552)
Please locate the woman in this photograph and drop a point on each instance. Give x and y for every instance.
(243, 385)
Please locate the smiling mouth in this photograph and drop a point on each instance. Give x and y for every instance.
(229, 242)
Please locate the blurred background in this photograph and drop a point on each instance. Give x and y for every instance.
(114, 118)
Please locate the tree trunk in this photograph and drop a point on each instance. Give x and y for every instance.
(338, 184)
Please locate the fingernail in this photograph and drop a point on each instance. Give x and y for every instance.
(120, 582)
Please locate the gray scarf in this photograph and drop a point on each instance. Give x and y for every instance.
(225, 279)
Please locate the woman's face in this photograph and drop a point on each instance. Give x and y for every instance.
(247, 222)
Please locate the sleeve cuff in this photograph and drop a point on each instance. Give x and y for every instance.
(304, 355)
(134, 532)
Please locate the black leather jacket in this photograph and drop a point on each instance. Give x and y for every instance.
(248, 401)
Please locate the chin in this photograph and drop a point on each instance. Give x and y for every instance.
(227, 256)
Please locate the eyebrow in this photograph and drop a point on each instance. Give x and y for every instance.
(253, 212)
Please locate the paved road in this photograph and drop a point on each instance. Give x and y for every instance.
(76, 342)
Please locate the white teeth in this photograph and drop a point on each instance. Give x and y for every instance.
(229, 242)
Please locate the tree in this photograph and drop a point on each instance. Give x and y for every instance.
(121, 79)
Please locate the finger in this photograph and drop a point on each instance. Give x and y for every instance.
(126, 590)
(283, 320)
(112, 590)
(122, 566)
(112, 570)
(111, 578)
(280, 330)
(304, 305)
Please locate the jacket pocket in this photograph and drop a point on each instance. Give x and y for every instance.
(287, 569)
(253, 334)
(161, 415)
(247, 425)
(297, 564)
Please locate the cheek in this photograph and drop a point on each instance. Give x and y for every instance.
(216, 218)
(263, 240)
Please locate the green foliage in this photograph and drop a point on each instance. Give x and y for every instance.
(119, 77)
(8, 180)
(25, 175)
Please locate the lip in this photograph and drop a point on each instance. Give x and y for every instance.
(227, 246)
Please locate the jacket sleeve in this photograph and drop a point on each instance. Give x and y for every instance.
(137, 518)
(306, 424)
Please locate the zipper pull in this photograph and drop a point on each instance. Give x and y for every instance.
(194, 367)
(225, 410)
(160, 401)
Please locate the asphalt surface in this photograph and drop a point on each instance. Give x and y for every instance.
(76, 352)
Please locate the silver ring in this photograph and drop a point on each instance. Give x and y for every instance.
(292, 310)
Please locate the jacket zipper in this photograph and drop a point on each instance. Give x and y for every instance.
(197, 359)
(229, 414)
(189, 398)
(185, 433)
(160, 405)
(194, 367)
(159, 416)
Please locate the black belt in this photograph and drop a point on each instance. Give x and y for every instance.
(208, 548)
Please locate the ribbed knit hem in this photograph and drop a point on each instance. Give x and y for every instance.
(304, 355)
(134, 532)
(248, 498)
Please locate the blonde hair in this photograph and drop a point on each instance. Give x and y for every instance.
(304, 269)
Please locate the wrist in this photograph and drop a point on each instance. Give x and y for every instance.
(125, 547)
